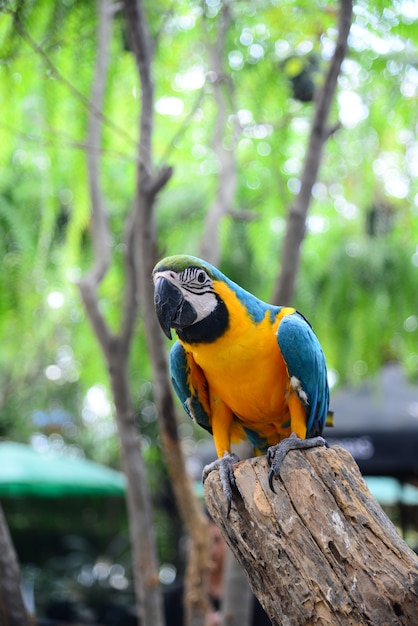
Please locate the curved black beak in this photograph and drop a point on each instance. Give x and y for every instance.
(172, 310)
(167, 299)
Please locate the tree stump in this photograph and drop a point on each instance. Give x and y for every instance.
(320, 550)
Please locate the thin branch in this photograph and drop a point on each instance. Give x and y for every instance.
(319, 133)
(90, 105)
(139, 40)
(98, 322)
(130, 298)
(158, 182)
(99, 221)
(184, 126)
(227, 179)
(57, 138)
(242, 215)
(100, 225)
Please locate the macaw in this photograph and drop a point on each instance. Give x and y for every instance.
(242, 368)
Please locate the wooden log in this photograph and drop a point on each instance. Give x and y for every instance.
(320, 550)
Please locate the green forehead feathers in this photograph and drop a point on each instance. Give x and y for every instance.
(180, 262)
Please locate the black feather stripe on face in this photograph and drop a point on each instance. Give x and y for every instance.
(195, 280)
(208, 329)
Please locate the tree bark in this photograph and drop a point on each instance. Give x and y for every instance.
(319, 550)
(295, 231)
(12, 608)
(149, 183)
(116, 347)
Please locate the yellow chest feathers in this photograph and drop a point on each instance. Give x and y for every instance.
(244, 366)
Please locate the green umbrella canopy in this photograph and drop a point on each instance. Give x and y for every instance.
(389, 490)
(25, 472)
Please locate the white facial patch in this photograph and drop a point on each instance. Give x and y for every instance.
(203, 303)
(169, 275)
(196, 288)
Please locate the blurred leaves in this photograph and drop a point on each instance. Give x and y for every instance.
(357, 283)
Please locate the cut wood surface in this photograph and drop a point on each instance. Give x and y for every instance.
(320, 550)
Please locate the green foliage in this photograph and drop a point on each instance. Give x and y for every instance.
(48, 55)
(362, 300)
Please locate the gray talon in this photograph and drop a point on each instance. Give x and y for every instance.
(226, 475)
(277, 453)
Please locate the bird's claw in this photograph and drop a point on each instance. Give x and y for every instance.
(277, 453)
(226, 475)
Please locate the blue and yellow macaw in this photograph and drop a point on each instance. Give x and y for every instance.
(242, 369)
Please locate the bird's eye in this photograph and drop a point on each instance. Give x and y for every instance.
(201, 277)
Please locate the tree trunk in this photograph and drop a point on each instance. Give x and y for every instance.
(295, 231)
(319, 550)
(12, 609)
(138, 500)
(116, 347)
(149, 183)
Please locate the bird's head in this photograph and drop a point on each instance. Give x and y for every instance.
(184, 292)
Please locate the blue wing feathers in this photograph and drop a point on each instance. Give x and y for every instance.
(305, 361)
(179, 372)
